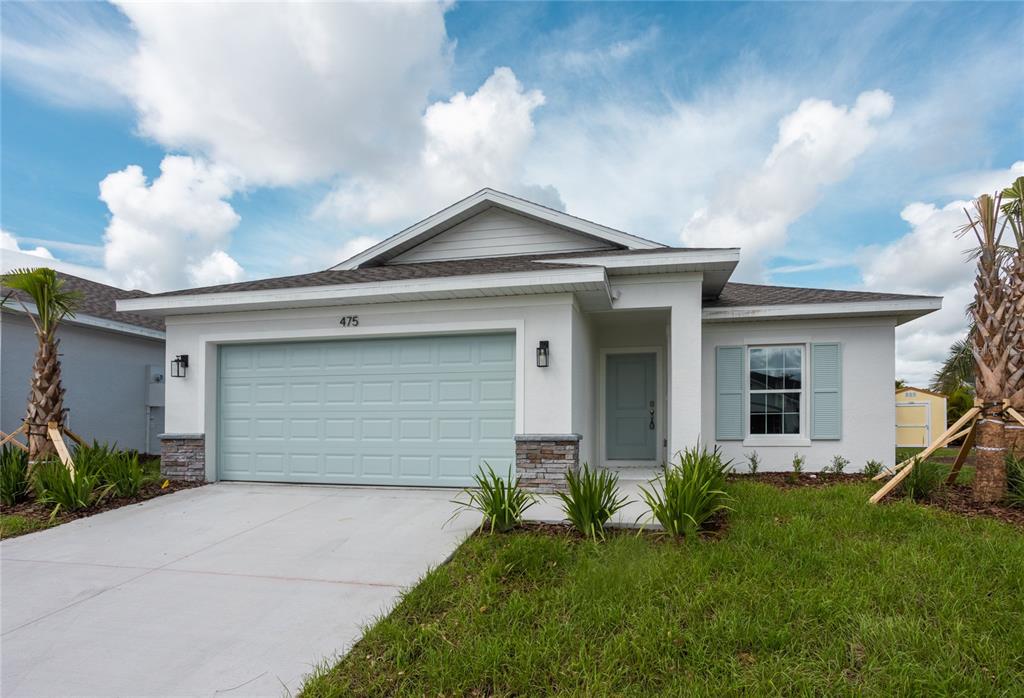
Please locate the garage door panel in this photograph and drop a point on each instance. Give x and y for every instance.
(424, 410)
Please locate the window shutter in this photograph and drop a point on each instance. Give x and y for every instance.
(826, 391)
(729, 393)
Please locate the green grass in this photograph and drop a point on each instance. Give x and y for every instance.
(13, 525)
(810, 591)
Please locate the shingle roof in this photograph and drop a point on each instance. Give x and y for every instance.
(738, 295)
(419, 270)
(99, 300)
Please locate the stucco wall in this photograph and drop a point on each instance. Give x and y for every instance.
(868, 361)
(584, 395)
(191, 401)
(104, 374)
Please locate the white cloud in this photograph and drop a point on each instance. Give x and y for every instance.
(287, 93)
(172, 232)
(8, 243)
(472, 141)
(14, 256)
(930, 259)
(817, 145)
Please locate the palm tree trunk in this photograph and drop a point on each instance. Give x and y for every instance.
(45, 399)
(1015, 354)
(990, 460)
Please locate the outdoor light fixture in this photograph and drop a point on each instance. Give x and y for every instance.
(179, 366)
(542, 354)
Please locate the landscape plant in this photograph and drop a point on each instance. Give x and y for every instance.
(753, 462)
(1015, 480)
(14, 482)
(798, 467)
(65, 490)
(92, 459)
(53, 303)
(500, 500)
(689, 492)
(837, 466)
(872, 468)
(924, 479)
(592, 497)
(123, 473)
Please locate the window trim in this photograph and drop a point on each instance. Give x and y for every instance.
(802, 438)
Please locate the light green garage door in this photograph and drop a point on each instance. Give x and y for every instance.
(408, 411)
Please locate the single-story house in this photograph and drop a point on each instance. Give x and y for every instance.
(498, 330)
(111, 367)
(920, 416)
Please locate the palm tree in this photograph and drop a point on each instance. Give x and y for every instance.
(1013, 210)
(988, 346)
(958, 368)
(46, 394)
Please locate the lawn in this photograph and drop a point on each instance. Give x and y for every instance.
(809, 591)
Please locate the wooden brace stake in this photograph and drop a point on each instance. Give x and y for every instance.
(62, 449)
(1015, 414)
(10, 438)
(938, 443)
(961, 457)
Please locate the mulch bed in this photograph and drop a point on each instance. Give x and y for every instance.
(41, 512)
(957, 499)
(787, 481)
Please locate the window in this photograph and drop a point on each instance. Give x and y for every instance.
(776, 390)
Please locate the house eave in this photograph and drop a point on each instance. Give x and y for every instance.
(585, 280)
(94, 322)
(902, 310)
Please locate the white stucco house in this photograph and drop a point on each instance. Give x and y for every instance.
(500, 330)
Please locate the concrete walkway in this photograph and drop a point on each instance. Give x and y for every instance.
(228, 589)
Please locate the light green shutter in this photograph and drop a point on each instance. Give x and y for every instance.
(729, 393)
(826, 391)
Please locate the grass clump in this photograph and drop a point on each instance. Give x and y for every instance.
(592, 499)
(56, 485)
(689, 492)
(924, 479)
(14, 480)
(499, 499)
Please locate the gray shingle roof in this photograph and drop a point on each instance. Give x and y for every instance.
(738, 295)
(99, 300)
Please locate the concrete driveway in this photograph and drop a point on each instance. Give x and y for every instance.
(228, 589)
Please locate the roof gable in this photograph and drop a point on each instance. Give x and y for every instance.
(543, 220)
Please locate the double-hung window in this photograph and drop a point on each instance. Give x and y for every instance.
(776, 390)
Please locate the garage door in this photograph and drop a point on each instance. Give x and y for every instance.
(407, 411)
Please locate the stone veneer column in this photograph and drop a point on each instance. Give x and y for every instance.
(542, 460)
(183, 457)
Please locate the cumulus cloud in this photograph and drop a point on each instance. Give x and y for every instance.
(287, 93)
(9, 243)
(930, 259)
(817, 145)
(174, 231)
(14, 255)
(471, 141)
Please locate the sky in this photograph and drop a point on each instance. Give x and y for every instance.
(161, 146)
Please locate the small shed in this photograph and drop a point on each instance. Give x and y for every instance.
(920, 416)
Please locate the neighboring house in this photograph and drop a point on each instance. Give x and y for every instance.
(111, 367)
(920, 416)
(503, 331)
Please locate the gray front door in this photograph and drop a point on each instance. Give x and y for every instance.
(631, 417)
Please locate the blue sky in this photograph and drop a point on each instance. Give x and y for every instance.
(832, 141)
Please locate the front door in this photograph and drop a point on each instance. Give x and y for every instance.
(631, 417)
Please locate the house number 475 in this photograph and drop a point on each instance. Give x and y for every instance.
(350, 321)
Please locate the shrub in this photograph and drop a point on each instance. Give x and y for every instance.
(753, 462)
(837, 466)
(592, 499)
(925, 477)
(1015, 480)
(54, 484)
(123, 473)
(798, 463)
(93, 460)
(689, 492)
(13, 475)
(499, 499)
(872, 468)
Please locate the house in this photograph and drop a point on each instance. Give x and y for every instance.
(920, 416)
(501, 331)
(111, 367)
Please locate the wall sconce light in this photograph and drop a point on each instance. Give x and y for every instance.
(542, 354)
(179, 366)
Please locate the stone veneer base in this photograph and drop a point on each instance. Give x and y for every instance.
(183, 457)
(542, 461)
